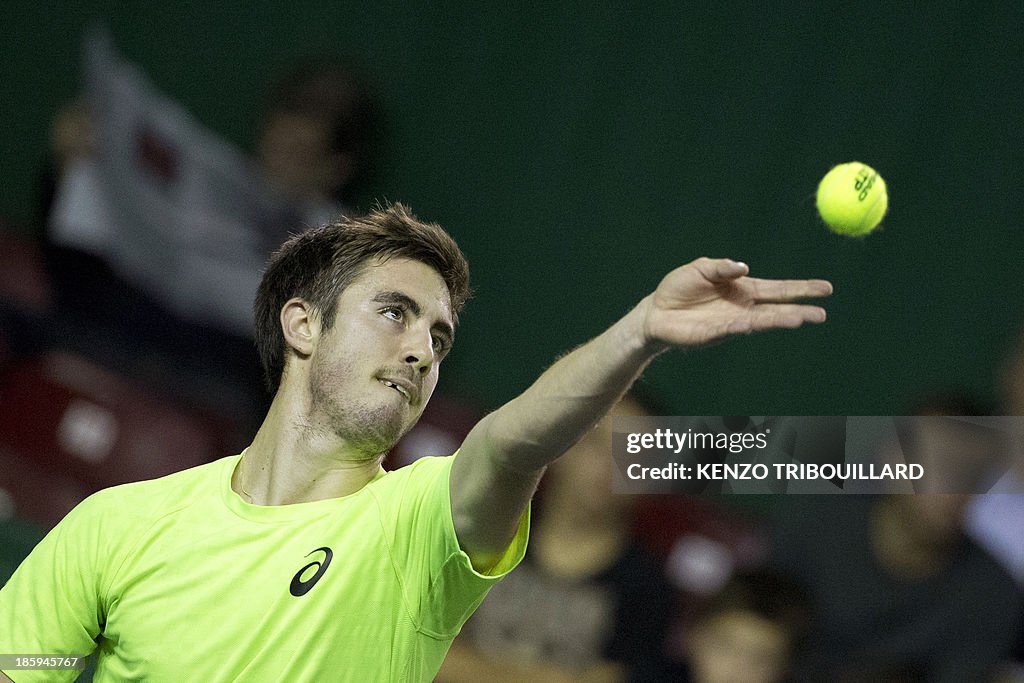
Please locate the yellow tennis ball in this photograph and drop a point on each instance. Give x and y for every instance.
(852, 199)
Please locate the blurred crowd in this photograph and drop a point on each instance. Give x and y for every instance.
(902, 587)
(103, 381)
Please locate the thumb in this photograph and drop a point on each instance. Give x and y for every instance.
(720, 270)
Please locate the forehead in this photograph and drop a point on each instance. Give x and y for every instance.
(413, 278)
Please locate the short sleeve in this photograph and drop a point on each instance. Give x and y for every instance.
(441, 588)
(51, 604)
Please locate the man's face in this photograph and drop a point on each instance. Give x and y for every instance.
(374, 371)
(296, 156)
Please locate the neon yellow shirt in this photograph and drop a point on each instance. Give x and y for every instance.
(179, 579)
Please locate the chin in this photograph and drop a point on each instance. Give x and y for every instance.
(371, 431)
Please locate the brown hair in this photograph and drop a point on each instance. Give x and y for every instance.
(318, 264)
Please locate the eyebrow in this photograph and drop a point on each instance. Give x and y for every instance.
(407, 301)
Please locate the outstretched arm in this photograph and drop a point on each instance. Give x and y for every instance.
(503, 457)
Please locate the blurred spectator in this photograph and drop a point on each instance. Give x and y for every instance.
(588, 603)
(899, 591)
(176, 312)
(749, 631)
(996, 520)
(318, 136)
(317, 141)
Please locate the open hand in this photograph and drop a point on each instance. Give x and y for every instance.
(713, 298)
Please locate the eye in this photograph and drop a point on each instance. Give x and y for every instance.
(393, 313)
(442, 345)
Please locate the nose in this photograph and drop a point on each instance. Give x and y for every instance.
(419, 350)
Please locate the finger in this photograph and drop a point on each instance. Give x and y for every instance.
(788, 290)
(681, 329)
(776, 316)
(720, 269)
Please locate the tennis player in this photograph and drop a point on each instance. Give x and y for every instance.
(301, 559)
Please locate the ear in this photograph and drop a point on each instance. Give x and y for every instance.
(301, 325)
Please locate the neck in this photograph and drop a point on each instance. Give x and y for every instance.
(290, 461)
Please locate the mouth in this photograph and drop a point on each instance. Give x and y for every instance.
(400, 387)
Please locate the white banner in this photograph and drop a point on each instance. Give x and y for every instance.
(167, 203)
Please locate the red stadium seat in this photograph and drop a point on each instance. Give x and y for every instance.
(76, 419)
(24, 282)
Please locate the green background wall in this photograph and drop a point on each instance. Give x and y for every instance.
(579, 152)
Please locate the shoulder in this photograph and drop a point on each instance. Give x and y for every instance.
(420, 472)
(429, 464)
(84, 549)
(415, 496)
(138, 502)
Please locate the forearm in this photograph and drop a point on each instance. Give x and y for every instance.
(534, 429)
(503, 457)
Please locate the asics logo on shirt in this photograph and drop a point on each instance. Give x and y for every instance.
(299, 587)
